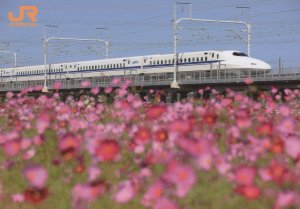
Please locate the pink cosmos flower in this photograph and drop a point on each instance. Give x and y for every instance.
(222, 166)
(142, 136)
(25, 143)
(180, 126)
(38, 88)
(292, 147)
(116, 81)
(9, 95)
(287, 125)
(164, 203)
(205, 161)
(12, 148)
(248, 80)
(18, 198)
(122, 92)
(161, 135)
(36, 176)
(28, 154)
(284, 110)
(183, 176)
(87, 192)
(93, 173)
(249, 191)
(57, 85)
(108, 150)
(155, 112)
(264, 174)
(153, 193)
(243, 122)
(108, 90)
(195, 147)
(125, 192)
(245, 175)
(95, 90)
(274, 90)
(85, 83)
(287, 199)
(68, 146)
(43, 122)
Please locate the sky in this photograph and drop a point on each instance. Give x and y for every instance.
(140, 27)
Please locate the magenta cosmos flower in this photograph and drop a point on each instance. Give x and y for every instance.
(36, 175)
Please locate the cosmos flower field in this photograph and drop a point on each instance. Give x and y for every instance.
(225, 152)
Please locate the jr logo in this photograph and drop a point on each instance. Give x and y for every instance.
(31, 12)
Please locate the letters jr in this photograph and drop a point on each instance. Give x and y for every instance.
(31, 12)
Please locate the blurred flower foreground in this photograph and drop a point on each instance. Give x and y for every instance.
(225, 152)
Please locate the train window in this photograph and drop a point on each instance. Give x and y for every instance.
(205, 58)
(70, 66)
(157, 62)
(144, 60)
(201, 59)
(184, 59)
(110, 65)
(150, 62)
(217, 56)
(169, 61)
(123, 64)
(189, 60)
(128, 62)
(193, 59)
(173, 61)
(197, 59)
(180, 60)
(213, 54)
(205, 53)
(114, 65)
(240, 54)
(161, 62)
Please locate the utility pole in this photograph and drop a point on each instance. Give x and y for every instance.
(249, 28)
(174, 84)
(45, 88)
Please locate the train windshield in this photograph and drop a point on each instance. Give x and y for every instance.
(240, 54)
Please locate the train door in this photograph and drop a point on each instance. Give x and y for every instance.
(67, 70)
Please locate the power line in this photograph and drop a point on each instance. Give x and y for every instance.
(277, 12)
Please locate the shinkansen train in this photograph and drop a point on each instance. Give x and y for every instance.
(234, 62)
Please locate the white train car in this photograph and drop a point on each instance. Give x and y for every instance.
(232, 61)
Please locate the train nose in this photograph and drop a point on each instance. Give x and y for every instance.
(261, 65)
(265, 66)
